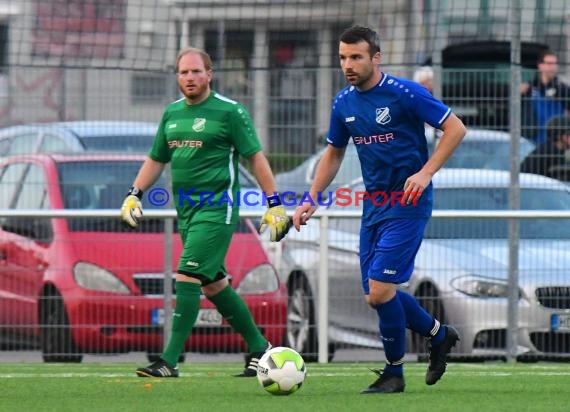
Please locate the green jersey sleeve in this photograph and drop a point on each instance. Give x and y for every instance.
(159, 151)
(243, 132)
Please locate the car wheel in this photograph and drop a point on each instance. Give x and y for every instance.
(428, 297)
(56, 340)
(153, 357)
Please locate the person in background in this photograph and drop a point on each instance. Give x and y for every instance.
(424, 76)
(554, 152)
(544, 97)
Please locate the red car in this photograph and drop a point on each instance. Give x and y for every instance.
(88, 285)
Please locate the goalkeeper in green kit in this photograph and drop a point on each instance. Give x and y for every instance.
(202, 135)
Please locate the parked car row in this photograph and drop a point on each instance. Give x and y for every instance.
(81, 136)
(75, 286)
(461, 269)
(480, 149)
(89, 285)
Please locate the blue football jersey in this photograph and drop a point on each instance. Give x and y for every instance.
(386, 124)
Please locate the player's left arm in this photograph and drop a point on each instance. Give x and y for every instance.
(263, 174)
(245, 140)
(247, 144)
(453, 132)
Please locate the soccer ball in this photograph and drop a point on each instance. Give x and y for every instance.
(281, 371)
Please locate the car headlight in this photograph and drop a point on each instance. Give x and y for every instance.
(260, 279)
(481, 287)
(93, 277)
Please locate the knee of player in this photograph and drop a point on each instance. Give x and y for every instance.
(380, 293)
(375, 299)
(188, 277)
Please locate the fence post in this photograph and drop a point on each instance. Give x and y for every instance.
(514, 187)
(323, 292)
(168, 233)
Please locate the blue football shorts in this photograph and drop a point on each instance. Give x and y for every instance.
(388, 250)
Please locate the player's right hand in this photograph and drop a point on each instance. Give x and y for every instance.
(131, 211)
(302, 215)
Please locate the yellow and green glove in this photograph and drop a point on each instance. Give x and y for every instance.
(276, 219)
(131, 211)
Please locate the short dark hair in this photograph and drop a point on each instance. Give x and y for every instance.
(545, 53)
(356, 34)
(557, 127)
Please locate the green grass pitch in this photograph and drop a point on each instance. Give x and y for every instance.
(210, 387)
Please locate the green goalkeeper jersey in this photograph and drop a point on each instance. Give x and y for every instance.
(203, 142)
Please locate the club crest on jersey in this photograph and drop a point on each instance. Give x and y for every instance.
(199, 124)
(383, 115)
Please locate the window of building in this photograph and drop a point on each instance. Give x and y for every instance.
(231, 57)
(3, 47)
(150, 88)
(293, 79)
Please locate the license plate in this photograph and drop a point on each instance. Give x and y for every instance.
(560, 322)
(206, 317)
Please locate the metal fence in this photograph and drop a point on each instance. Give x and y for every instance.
(112, 61)
(68, 305)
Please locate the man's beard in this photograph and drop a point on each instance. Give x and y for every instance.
(360, 80)
(198, 92)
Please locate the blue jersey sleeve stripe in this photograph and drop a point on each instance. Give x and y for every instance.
(335, 144)
(445, 116)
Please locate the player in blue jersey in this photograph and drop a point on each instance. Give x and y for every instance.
(385, 116)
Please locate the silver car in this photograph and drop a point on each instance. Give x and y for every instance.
(480, 149)
(77, 136)
(460, 271)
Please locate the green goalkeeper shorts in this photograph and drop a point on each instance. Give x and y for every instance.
(205, 247)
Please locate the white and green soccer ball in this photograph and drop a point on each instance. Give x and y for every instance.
(281, 371)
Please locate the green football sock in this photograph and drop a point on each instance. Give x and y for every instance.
(183, 319)
(235, 311)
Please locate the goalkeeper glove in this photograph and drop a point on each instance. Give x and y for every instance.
(131, 211)
(276, 219)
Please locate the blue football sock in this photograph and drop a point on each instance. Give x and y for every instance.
(419, 320)
(393, 334)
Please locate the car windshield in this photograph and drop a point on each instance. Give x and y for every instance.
(477, 151)
(103, 185)
(120, 143)
(497, 199)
